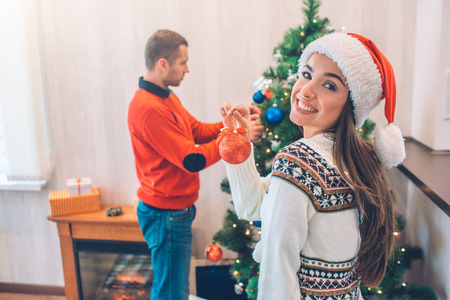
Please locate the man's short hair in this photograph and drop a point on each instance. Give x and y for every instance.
(163, 44)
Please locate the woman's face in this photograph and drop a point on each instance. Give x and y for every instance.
(318, 96)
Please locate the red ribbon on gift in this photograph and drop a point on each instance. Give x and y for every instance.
(79, 186)
(226, 130)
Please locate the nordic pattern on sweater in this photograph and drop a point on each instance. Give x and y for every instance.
(306, 169)
(324, 280)
(328, 192)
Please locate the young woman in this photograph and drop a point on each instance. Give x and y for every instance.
(326, 209)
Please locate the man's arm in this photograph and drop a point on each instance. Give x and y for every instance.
(163, 133)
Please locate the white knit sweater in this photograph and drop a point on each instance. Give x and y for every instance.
(309, 233)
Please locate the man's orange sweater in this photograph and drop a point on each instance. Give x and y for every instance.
(170, 147)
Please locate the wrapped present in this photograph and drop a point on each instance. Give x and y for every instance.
(79, 186)
(61, 203)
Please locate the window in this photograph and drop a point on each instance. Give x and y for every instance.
(3, 156)
(24, 141)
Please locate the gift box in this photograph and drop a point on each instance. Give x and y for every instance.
(79, 186)
(61, 203)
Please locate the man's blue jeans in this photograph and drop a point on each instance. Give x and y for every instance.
(168, 234)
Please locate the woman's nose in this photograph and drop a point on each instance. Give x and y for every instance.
(308, 91)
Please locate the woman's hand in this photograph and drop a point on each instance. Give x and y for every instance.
(242, 116)
(227, 117)
(238, 116)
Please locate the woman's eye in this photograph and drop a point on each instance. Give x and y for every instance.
(307, 75)
(330, 86)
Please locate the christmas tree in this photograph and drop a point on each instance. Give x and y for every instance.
(273, 89)
(272, 95)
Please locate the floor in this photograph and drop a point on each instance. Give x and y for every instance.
(6, 296)
(194, 263)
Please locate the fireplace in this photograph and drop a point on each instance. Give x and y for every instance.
(115, 270)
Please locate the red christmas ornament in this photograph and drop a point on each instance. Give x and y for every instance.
(268, 94)
(234, 147)
(213, 252)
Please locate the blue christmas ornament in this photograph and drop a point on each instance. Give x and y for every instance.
(256, 223)
(258, 97)
(273, 115)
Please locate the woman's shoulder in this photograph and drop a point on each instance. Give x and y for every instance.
(304, 164)
(318, 148)
(306, 152)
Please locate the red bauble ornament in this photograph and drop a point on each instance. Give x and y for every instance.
(235, 148)
(213, 252)
(268, 94)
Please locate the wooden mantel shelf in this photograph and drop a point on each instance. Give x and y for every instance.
(92, 226)
(96, 225)
(430, 171)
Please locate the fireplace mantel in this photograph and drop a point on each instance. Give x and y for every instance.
(92, 226)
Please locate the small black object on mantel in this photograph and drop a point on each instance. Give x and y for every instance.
(113, 211)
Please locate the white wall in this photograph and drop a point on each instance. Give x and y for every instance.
(442, 108)
(426, 74)
(92, 56)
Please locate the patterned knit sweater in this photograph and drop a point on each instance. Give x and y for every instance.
(310, 223)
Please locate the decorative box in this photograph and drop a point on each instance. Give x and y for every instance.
(61, 203)
(79, 186)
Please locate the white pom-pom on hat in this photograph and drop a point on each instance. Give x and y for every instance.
(370, 79)
(389, 145)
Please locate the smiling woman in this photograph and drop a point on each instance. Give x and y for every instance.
(318, 96)
(326, 209)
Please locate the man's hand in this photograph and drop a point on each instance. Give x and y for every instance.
(257, 127)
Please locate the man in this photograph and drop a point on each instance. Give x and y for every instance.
(170, 148)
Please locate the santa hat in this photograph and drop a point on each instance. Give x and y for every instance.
(370, 79)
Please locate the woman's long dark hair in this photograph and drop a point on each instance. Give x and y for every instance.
(375, 202)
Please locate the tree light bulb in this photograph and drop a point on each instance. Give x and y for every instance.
(234, 225)
(247, 232)
(403, 249)
(238, 261)
(404, 284)
(396, 233)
